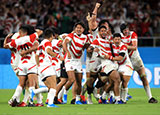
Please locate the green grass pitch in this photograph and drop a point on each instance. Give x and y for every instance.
(138, 105)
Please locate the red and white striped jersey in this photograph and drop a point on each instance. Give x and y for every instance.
(128, 40)
(103, 45)
(76, 44)
(24, 43)
(44, 57)
(57, 48)
(90, 38)
(121, 49)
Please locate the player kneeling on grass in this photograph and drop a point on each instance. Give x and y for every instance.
(45, 69)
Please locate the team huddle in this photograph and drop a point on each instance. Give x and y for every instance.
(55, 63)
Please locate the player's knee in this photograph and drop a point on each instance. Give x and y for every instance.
(143, 76)
(89, 89)
(99, 84)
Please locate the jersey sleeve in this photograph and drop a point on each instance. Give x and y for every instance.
(123, 49)
(95, 43)
(70, 36)
(47, 45)
(33, 37)
(134, 36)
(12, 44)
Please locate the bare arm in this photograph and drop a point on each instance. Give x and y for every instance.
(94, 16)
(33, 48)
(37, 59)
(5, 41)
(51, 53)
(117, 58)
(133, 46)
(66, 41)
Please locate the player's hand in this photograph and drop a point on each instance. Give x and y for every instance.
(61, 58)
(39, 32)
(96, 50)
(23, 53)
(88, 17)
(64, 36)
(106, 57)
(9, 35)
(98, 5)
(90, 49)
(69, 56)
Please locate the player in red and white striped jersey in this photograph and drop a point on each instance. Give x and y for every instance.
(26, 68)
(73, 46)
(130, 38)
(125, 66)
(45, 69)
(59, 67)
(93, 25)
(109, 68)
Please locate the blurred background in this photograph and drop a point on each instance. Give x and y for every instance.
(142, 16)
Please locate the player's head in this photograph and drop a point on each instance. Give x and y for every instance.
(124, 29)
(56, 31)
(104, 23)
(79, 28)
(117, 39)
(102, 31)
(23, 30)
(48, 34)
(31, 29)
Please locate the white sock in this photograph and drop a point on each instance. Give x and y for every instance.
(124, 94)
(65, 91)
(30, 91)
(51, 95)
(31, 88)
(104, 95)
(77, 97)
(117, 98)
(60, 93)
(41, 90)
(39, 99)
(17, 93)
(111, 93)
(26, 96)
(98, 95)
(148, 91)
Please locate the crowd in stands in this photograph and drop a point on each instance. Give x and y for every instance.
(143, 16)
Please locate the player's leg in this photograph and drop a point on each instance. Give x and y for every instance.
(146, 86)
(50, 82)
(71, 79)
(78, 79)
(16, 97)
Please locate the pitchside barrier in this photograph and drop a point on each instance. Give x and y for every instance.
(150, 56)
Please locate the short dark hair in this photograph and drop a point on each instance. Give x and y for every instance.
(123, 27)
(55, 30)
(31, 29)
(116, 35)
(101, 28)
(48, 33)
(79, 23)
(104, 21)
(24, 28)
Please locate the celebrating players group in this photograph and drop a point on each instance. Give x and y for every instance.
(55, 64)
